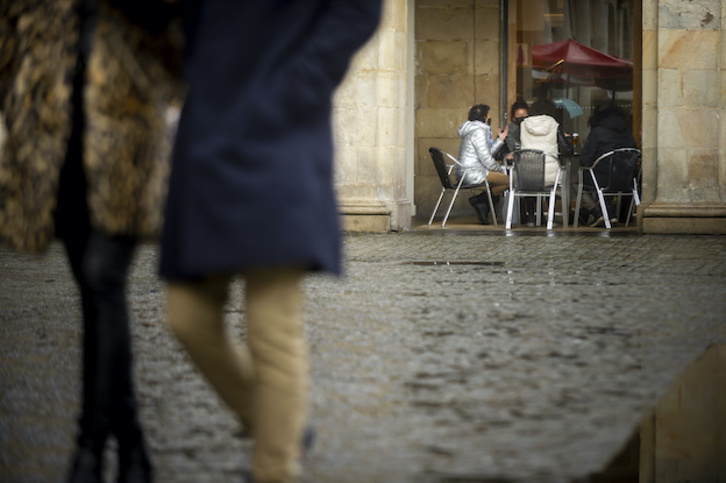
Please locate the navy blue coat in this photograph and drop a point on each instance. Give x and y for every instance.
(251, 182)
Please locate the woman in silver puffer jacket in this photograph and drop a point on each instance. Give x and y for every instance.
(476, 158)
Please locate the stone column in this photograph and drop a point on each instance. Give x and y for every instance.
(684, 121)
(373, 129)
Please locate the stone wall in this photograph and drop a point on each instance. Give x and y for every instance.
(371, 129)
(684, 122)
(457, 66)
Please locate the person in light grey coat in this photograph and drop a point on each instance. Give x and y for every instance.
(476, 158)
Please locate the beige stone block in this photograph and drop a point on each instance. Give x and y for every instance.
(701, 127)
(450, 90)
(677, 49)
(672, 171)
(442, 57)
(439, 123)
(650, 50)
(701, 88)
(649, 127)
(356, 127)
(670, 88)
(367, 165)
(390, 170)
(670, 134)
(677, 14)
(684, 226)
(487, 21)
(722, 90)
(650, 89)
(394, 15)
(344, 168)
(391, 127)
(392, 51)
(421, 93)
(444, 23)
(650, 14)
(487, 92)
(381, 89)
(486, 57)
(354, 223)
(703, 169)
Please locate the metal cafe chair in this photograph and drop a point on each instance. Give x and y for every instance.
(444, 171)
(614, 174)
(527, 179)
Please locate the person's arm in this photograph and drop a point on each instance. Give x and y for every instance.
(589, 151)
(342, 27)
(484, 149)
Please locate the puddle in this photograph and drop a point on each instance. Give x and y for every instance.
(459, 263)
(684, 436)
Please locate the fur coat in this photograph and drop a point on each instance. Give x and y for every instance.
(130, 76)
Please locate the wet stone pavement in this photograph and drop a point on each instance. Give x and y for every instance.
(441, 356)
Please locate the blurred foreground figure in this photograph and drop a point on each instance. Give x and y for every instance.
(81, 162)
(251, 194)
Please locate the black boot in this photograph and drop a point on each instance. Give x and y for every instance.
(134, 464)
(87, 465)
(481, 207)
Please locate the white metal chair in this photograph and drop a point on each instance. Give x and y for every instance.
(444, 171)
(614, 174)
(527, 179)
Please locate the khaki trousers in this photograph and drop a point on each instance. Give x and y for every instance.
(265, 381)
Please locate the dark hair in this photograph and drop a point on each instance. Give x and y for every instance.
(478, 112)
(604, 110)
(543, 106)
(519, 104)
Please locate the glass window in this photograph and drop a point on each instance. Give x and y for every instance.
(576, 52)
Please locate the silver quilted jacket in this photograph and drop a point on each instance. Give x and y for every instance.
(476, 152)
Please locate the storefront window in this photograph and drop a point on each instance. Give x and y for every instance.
(578, 53)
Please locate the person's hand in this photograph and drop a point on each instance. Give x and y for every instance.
(503, 133)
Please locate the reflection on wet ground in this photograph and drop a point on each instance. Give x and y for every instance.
(442, 357)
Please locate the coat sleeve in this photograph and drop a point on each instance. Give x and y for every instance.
(342, 27)
(590, 149)
(485, 149)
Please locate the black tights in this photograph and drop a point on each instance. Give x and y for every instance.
(100, 265)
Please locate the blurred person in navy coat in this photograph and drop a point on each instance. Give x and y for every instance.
(251, 194)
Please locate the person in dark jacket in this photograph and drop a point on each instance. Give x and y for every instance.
(251, 194)
(608, 130)
(82, 89)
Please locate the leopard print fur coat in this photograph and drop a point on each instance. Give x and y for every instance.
(131, 78)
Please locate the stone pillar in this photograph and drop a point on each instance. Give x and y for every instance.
(373, 129)
(684, 120)
(457, 66)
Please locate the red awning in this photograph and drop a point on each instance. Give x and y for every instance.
(573, 58)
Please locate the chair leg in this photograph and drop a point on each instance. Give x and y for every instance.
(451, 205)
(510, 207)
(443, 190)
(491, 206)
(578, 201)
(604, 209)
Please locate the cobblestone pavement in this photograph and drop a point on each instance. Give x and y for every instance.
(441, 356)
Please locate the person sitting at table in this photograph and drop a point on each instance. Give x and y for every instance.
(476, 158)
(540, 130)
(608, 131)
(519, 111)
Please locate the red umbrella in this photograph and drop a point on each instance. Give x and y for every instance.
(573, 58)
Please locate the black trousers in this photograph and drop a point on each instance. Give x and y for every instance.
(100, 264)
